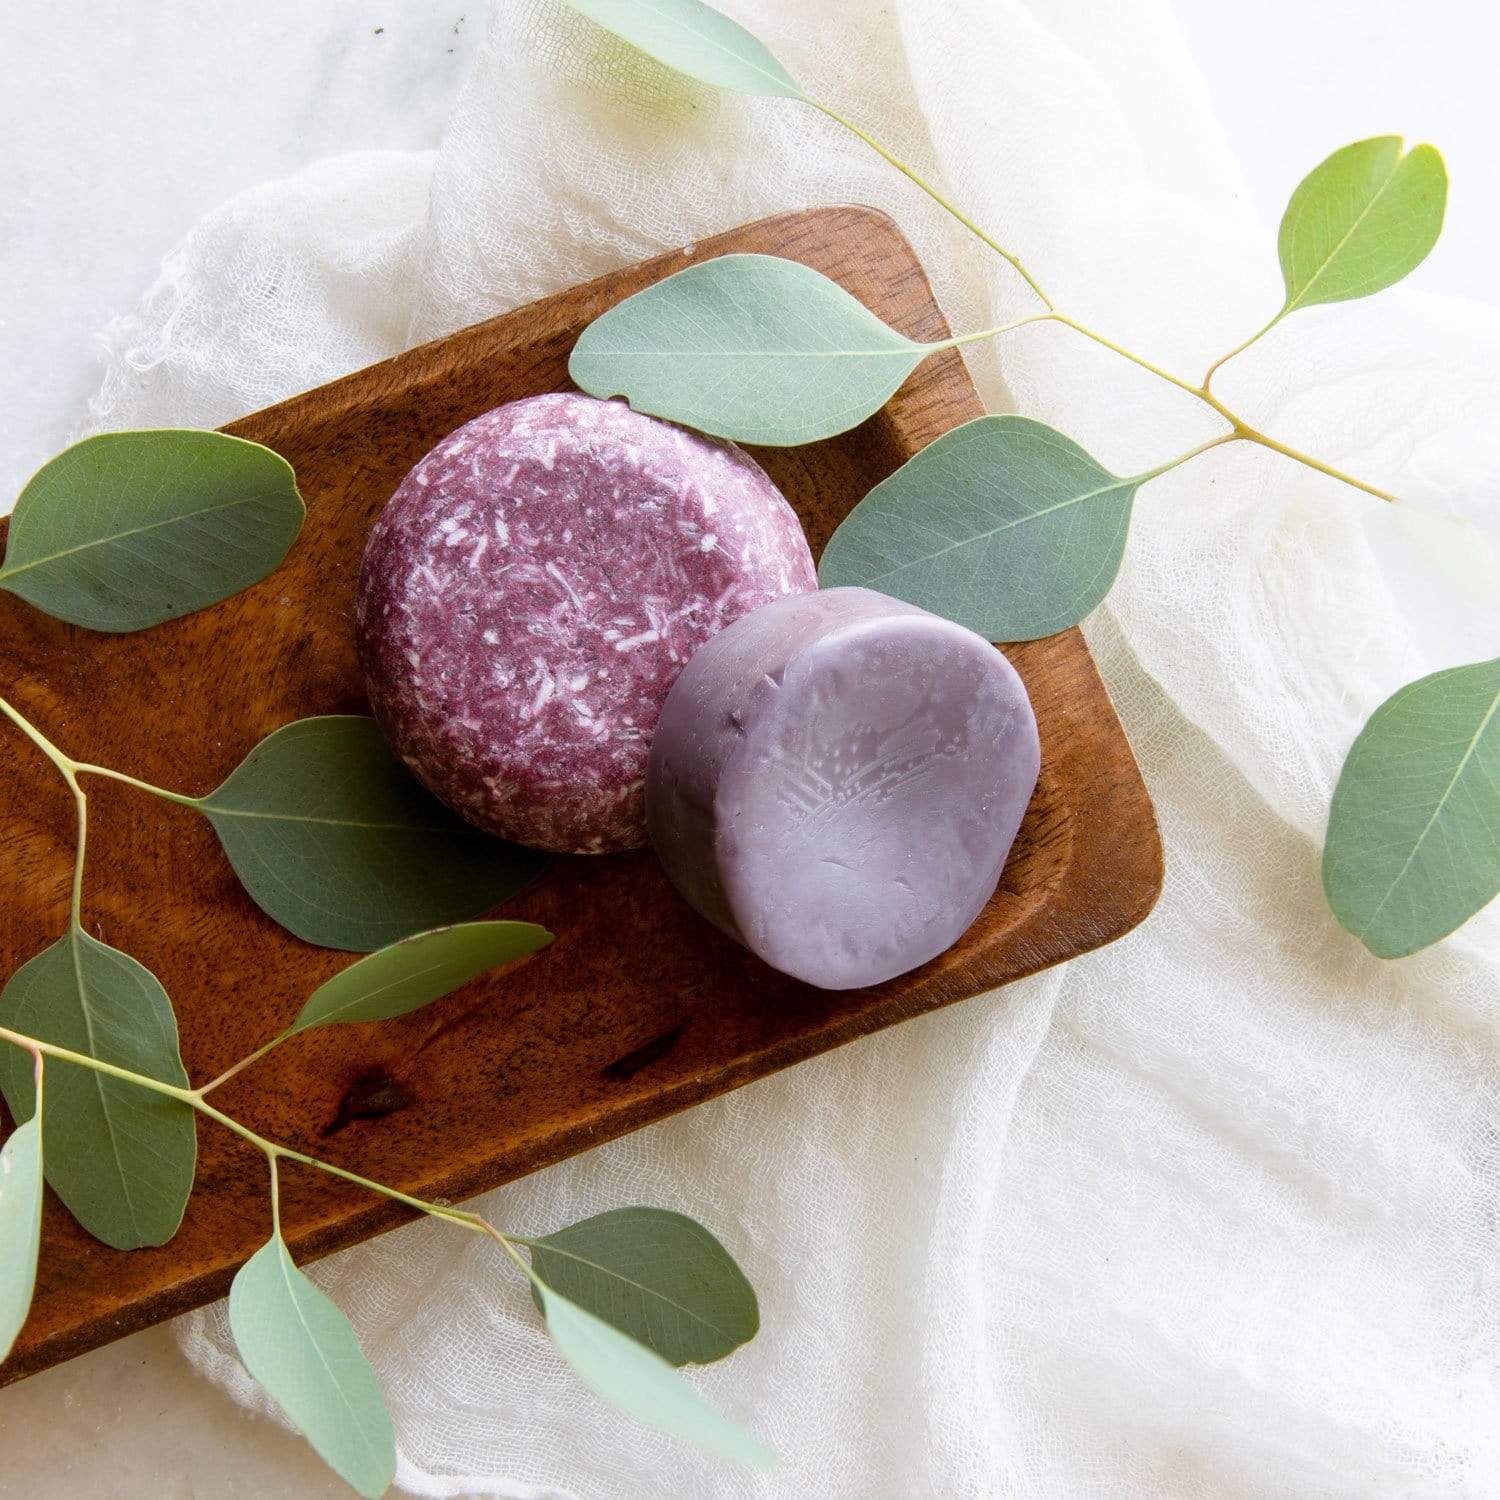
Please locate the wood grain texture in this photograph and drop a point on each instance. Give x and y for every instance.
(640, 1008)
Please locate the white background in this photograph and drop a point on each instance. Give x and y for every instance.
(121, 123)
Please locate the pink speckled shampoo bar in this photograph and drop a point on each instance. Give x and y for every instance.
(531, 592)
(836, 781)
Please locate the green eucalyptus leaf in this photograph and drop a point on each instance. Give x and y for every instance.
(119, 1156)
(128, 529)
(694, 39)
(294, 1340)
(1361, 221)
(658, 1276)
(1413, 847)
(643, 1385)
(333, 838)
(416, 971)
(751, 347)
(20, 1221)
(1002, 524)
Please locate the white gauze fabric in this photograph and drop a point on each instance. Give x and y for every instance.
(1210, 1213)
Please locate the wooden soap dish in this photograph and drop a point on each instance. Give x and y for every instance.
(640, 1008)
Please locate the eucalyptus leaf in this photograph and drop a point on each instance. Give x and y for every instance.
(751, 347)
(294, 1340)
(643, 1385)
(128, 529)
(119, 1156)
(694, 39)
(658, 1276)
(1413, 846)
(416, 971)
(1361, 221)
(1002, 524)
(333, 838)
(20, 1222)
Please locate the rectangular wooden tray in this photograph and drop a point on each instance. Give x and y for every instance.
(640, 1008)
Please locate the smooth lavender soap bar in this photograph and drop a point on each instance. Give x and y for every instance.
(532, 590)
(836, 781)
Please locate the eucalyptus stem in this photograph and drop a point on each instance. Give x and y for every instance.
(1182, 458)
(505, 1243)
(80, 801)
(1137, 359)
(1309, 462)
(274, 1150)
(274, 1166)
(1239, 348)
(37, 738)
(937, 198)
(989, 333)
(89, 769)
(244, 1063)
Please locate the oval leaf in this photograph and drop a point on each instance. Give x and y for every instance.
(128, 529)
(20, 1221)
(1003, 524)
(333, 838)
(658, 1276)
(119, 1156)
(412, 973)
(694, 39)
(643, 1385)
(1361, 221)
(294, 1340)
(1413, 847)
(750, 347)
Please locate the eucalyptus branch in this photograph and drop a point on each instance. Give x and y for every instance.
(125, 1173)
(194, 1099)
(1241, 429)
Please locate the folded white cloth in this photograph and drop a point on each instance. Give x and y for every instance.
(1209, 1213)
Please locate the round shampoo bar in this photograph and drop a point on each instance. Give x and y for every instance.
(533, 589)
(836, 781)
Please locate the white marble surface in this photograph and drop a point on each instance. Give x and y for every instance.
(122, 122)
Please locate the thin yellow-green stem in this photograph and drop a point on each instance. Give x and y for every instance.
(1134, 358)
(989, 333)
(37, 738)
(87, 768)
(67, 769)
(82, 804)
(1240, 348)
(936, 197)
(244, 1063)
(485, 1227)
(1309, 462)
(1182, 458)
(275, 1169)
